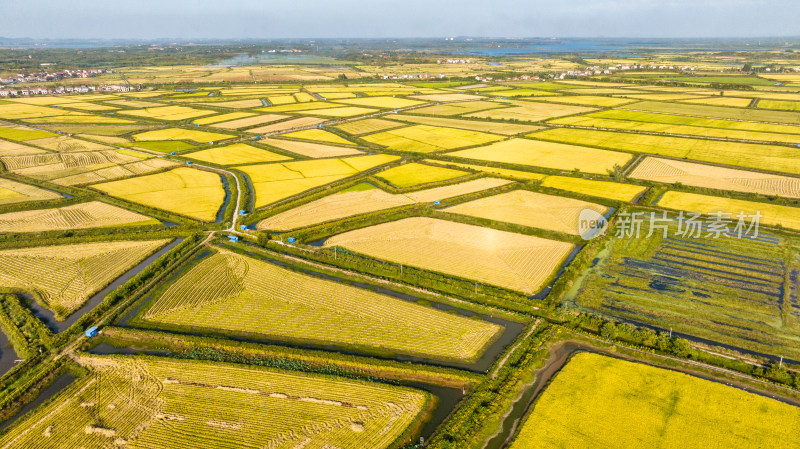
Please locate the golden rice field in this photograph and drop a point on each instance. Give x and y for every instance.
(236, 104)
(447, 97)
(345, 111)
(427, 139)
(22, 134)
(506, 129)
(286, 125)
(66, 144)
(318, 135)
(278, 181)
(531, 111)
(412, 174)
(150, 402)
(747, 155)
(451, 109)
(235, 294)
(505, 259)
(180, 134)
(602, 189)
(310, 149)
(599, 401)
(222, 118)
(368, 125)
(15, 149)
(516, 174)
(116, 172)
(19, 111)
(249, 121)
(194, 193)
(382, 102)
(671, 171)
(682, 120)
(587, 100)
(364, 200)
(719, 112)
(532, 209)
(547, 155)
(301, 107)
(779, 105)
(238, 153)
(16, 192)
(63, 277)
(771, 214)
(78, 117)
(721, 101)
(94, 214)
(169, 113)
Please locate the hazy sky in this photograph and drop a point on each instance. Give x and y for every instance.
(148, 19)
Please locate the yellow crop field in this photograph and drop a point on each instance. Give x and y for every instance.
(222, 118)
(505, 259)
(602, 189)
(312, 150)
(300, 107)
(195, 193)
(133, 103)
(368, 125)
(64, 144)
(721, 101)
(22, 133)
(275, 182)
(323, 312)
(63, 277)
(15, 149)
(506, 129)
(76, 117)
(599, 401)
(427, 139)
(281, 99)
(172, 113)
(516, 174)
(236, 104)
(672, 119)
(444, 96)
(717, 112)
(18, 111)
(548, 155)
(94, 214)
(366, 199)
(531, 111)
(317, 135)
(412, 174)
(748, 155)
(238, 153)
(160, 402)
(116, 172)
(251, 121)
(671, 171)
(780, 105)
(16, 192)
(346, 111)
(462, 107)
(180, 134)
(286, 125)
(588, 100)
(771, 214)
(536, 210)
(382, 102)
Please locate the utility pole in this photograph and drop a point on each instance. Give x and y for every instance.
(670, 332)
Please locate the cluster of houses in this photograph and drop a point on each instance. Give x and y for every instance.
(413, 76)
(45, 76)
(454, 61)
(27, 92)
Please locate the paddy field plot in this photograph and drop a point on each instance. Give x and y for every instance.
(309, 149)
(133, 103)
(169, 113)
(601, 189)
(222, 118)
(22, 134)
(235, 294)
(365, 199)
(345, 111)
(771, 214)
(779, 105)
(181, 134)
(670, 119)
(531, 111)
(671, 171)
(514, 93)
(149, 402)
(532, 209)
(547, 155)
(16, 192)
(413, 174)
(249, 121)
(236, 104)
(19, 111)
(278, 181)
(382, 102)
(444, 96)
(515, 174)
(238, 153)
(747, 155)
(194, 193)
(318, 135)
(300, 122)
(302, 107)
(505, 259)
(728, 290)
(94, 214)
(63, 277)
(8, 148)
(506, 129)
(428, 139)
(162, 146)
(721, 101)
(67, 144)
(462, 107)
(721, 112)
(588, 100)
(368, 125)
(77, 117)
(600, 401)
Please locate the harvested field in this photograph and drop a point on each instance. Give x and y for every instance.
(287, 125)
(369, 125)
(463, 107)
(506, 129)
(63, 277)
(516, 174)
(346, 111)
(194, 193)
(94, 214)
(308, 149)
(547, 155)
(181, 134)
(602, 189)
(532, 209)
(238, 153)
(412, 174)
(16, 192)
(317, 135)
(67, 144)
(382, 102)
(427, 139)
(169, 113)
(222, 118)
(771, 214)
(530, 111)
(251, 121)
(443, 97)
(15, 149)
(505, 259)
